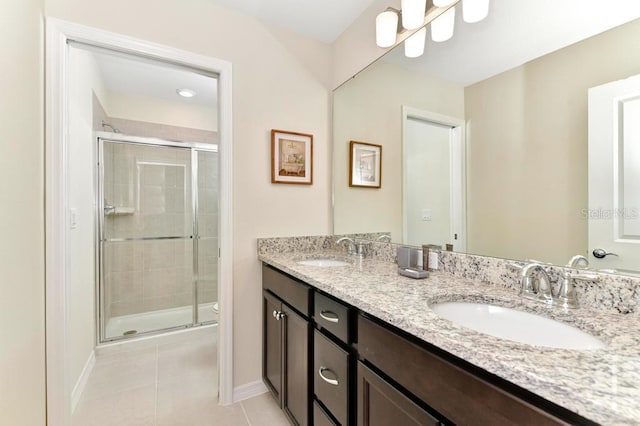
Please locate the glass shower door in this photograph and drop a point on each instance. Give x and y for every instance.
(146, 238)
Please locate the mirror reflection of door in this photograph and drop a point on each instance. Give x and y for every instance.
(614, 176)
(432, 176)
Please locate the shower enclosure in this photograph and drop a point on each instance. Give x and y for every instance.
(157, 227)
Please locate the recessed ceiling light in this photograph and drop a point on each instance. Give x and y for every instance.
(186, 93)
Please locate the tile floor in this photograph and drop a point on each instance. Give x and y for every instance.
(166, 381)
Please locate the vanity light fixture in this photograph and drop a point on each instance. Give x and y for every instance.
(413, 13)
(474, 10)
(387, 28)
(412, 16)
(414, 45)
(186, 93)
(442, 26)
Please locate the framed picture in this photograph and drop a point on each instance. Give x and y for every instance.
(365, 165)
(291, 157)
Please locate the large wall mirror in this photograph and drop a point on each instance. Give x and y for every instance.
(485, 138)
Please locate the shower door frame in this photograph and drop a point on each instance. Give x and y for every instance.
(193, 148)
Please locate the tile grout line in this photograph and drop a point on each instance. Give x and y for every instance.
(246, 416)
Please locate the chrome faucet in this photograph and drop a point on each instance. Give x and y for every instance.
(384, 237)
(351, 248)
(537, 289)
(576, 260)
(567, 293)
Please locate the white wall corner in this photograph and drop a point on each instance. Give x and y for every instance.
(76, 393)
(249, 390)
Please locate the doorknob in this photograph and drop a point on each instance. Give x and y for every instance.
(601, 253)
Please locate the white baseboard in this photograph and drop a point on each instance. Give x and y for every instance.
(249, 390)
(82, 380)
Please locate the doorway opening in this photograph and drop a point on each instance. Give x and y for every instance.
(158, 202)
(434, 190)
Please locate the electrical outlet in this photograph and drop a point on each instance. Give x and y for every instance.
(426, 214)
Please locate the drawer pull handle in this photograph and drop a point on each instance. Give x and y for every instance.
(333, 382)
(330, 316)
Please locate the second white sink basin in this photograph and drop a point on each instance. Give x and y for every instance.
(516, 325)
(323, 262)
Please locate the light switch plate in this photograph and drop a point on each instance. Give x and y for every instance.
(426, 214)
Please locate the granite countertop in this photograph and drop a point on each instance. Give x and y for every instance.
(602, 385)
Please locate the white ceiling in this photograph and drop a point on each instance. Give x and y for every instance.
(121, 73)
(515, 32)
(322, 20)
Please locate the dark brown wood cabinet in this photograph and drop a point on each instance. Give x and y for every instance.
(329, 364)
(381, 404)
(286, 344)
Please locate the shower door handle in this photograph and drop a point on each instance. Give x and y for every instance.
(109, 209)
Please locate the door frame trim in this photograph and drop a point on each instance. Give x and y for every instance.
(457, 171)
(58, 34)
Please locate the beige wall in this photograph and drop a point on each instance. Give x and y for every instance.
(22, 374)
(527, 149)
(273, 87)
(369, 109)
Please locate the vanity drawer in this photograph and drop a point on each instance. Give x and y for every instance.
(332, 316)
(331, 376)
(293, 292)
(457, 394)
(320, 417)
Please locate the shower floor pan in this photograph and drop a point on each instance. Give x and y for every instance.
(159, 320)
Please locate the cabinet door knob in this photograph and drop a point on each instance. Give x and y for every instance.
(275, 314)
(333, 382)
(330, 316)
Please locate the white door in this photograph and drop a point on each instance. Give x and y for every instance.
(614, 175)
(433, 181)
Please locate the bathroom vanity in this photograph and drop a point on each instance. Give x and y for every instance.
(358, 345)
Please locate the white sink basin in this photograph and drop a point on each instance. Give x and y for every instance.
(323, 262)
(516, 325)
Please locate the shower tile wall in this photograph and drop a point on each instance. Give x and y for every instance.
(208, 226)
(155, 185)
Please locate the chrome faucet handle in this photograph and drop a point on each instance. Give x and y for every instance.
(351, 248)
(567, 292)
(576, 260)
(539, 289)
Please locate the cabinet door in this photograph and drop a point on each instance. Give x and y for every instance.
(272, 361)
(296, 366)
(380, 404)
